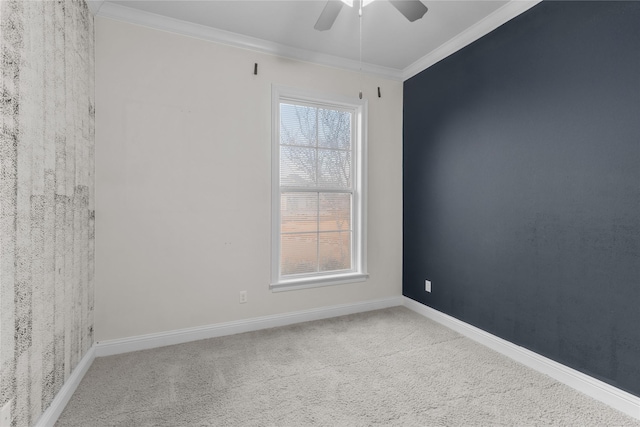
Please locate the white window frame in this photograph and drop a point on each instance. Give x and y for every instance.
(358, 272)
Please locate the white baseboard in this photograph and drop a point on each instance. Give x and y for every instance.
(143, 342)
(51, 415)
(161, 339)
(612, 396)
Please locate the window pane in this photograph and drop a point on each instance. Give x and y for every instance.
(335, 212)
(335, 251)
(298, 166)
(334, 168)
(298, 253)
(334, 129)
(298, 125)
(317, 179)
(299, 212)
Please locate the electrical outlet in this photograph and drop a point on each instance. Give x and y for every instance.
(427, 285)
(5, 415)
(243, 297)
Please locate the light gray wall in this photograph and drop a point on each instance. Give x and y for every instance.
(183, 179)
(46, 200)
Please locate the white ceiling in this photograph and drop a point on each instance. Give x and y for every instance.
(391, 45)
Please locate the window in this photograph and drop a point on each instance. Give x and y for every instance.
(318, 190)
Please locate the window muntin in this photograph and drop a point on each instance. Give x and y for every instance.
(318, 186)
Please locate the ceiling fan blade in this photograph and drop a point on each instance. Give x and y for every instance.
(328, 15)
(411, 9)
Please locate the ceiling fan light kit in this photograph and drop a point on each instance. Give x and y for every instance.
(350, 2)
(411, 9)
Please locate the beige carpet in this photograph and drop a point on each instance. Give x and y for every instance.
(387, 367)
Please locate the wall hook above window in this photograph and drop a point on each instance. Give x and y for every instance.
(255, 69)
(379, 95)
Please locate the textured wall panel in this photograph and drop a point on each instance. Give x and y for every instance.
(46, 199)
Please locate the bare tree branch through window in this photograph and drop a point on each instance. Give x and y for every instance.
(316, 150)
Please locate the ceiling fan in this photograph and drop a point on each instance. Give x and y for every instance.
(411, 9)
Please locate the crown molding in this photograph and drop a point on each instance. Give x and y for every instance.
(471, 34)
(134, 16)
(163, 23)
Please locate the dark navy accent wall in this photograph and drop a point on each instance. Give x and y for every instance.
(522, 186)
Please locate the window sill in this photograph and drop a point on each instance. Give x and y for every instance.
(316, 282)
